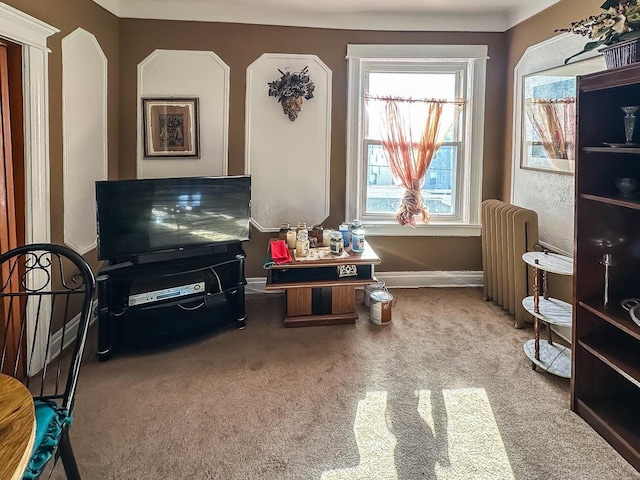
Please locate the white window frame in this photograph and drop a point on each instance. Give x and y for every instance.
(473, 58)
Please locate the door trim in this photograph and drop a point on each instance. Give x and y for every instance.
(32, 34)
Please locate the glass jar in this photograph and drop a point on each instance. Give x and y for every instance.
(344, 230)
(302, 227)
(336, 245)
(302, 244)
(284, 229)
(357, 237)
(315, 236)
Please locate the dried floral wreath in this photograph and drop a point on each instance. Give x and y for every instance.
(290, 90)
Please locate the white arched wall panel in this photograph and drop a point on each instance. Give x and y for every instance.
(551, 195)
(187, 73)
(85, 137)
(288, 161)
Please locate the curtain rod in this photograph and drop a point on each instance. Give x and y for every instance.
(413, 100)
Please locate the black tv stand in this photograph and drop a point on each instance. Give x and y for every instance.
(173, 255)
(145, 303)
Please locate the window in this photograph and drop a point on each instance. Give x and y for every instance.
(452, 184)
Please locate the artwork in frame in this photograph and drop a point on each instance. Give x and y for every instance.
(549, 106)
(548, 103)
(170, 127)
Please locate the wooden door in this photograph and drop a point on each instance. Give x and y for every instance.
(11, 326)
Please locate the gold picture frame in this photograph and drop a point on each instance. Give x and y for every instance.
(171, 127)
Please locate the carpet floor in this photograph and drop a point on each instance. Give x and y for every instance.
(444, 392)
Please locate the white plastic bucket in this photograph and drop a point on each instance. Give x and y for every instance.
(369, 289)
(380, 308)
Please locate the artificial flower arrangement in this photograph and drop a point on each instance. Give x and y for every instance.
(290, 89)
(619, 22)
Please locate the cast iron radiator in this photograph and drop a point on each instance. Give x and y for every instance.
(508, 231)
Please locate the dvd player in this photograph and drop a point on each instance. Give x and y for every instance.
(166, 294)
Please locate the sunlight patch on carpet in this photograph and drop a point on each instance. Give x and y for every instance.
(375, 442)
(475, 445)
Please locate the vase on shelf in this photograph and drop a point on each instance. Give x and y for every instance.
(626, 185)
(629, 122)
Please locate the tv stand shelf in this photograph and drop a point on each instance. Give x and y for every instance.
(183, 297)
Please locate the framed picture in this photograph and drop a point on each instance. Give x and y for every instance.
(170, 128)
(549, 106)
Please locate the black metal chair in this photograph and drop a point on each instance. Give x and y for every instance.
(46, 296)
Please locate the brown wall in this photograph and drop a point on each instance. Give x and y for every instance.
(67, 15)
(239, 45)
(127, 42)
(530, 32)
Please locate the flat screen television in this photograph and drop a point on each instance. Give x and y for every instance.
(148, 216)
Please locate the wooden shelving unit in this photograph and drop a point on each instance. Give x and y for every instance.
(605, 377)
(620, 202)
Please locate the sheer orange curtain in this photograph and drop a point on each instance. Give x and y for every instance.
(412, 132)
(554, 122)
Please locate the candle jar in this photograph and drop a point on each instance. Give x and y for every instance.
(344, 230)
(357, 237)
(315, 236)
(326, 237)
(302, 244)
(302, 227)
(284, 229)
(291, 239)
(337, 243)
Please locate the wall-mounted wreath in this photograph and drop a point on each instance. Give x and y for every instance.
(290, 90)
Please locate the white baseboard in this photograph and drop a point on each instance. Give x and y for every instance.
(402, 280)
(257, 285)
(463, 278)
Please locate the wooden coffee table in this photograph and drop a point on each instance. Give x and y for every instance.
(323, 291)
(17, 427)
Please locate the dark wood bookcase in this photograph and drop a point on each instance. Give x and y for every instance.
(605, 379)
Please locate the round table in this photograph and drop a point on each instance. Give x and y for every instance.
(17, 427)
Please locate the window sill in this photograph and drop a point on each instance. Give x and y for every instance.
(431, 230)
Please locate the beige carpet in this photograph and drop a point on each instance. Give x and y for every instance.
(444, 392)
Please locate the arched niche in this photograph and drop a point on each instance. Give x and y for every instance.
(288, 160)
(84, 126)
(188, 73)
(550, 194)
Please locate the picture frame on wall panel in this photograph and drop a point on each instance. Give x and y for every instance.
(171, 127)
(549, 118)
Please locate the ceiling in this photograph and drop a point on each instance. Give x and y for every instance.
(410, 15)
